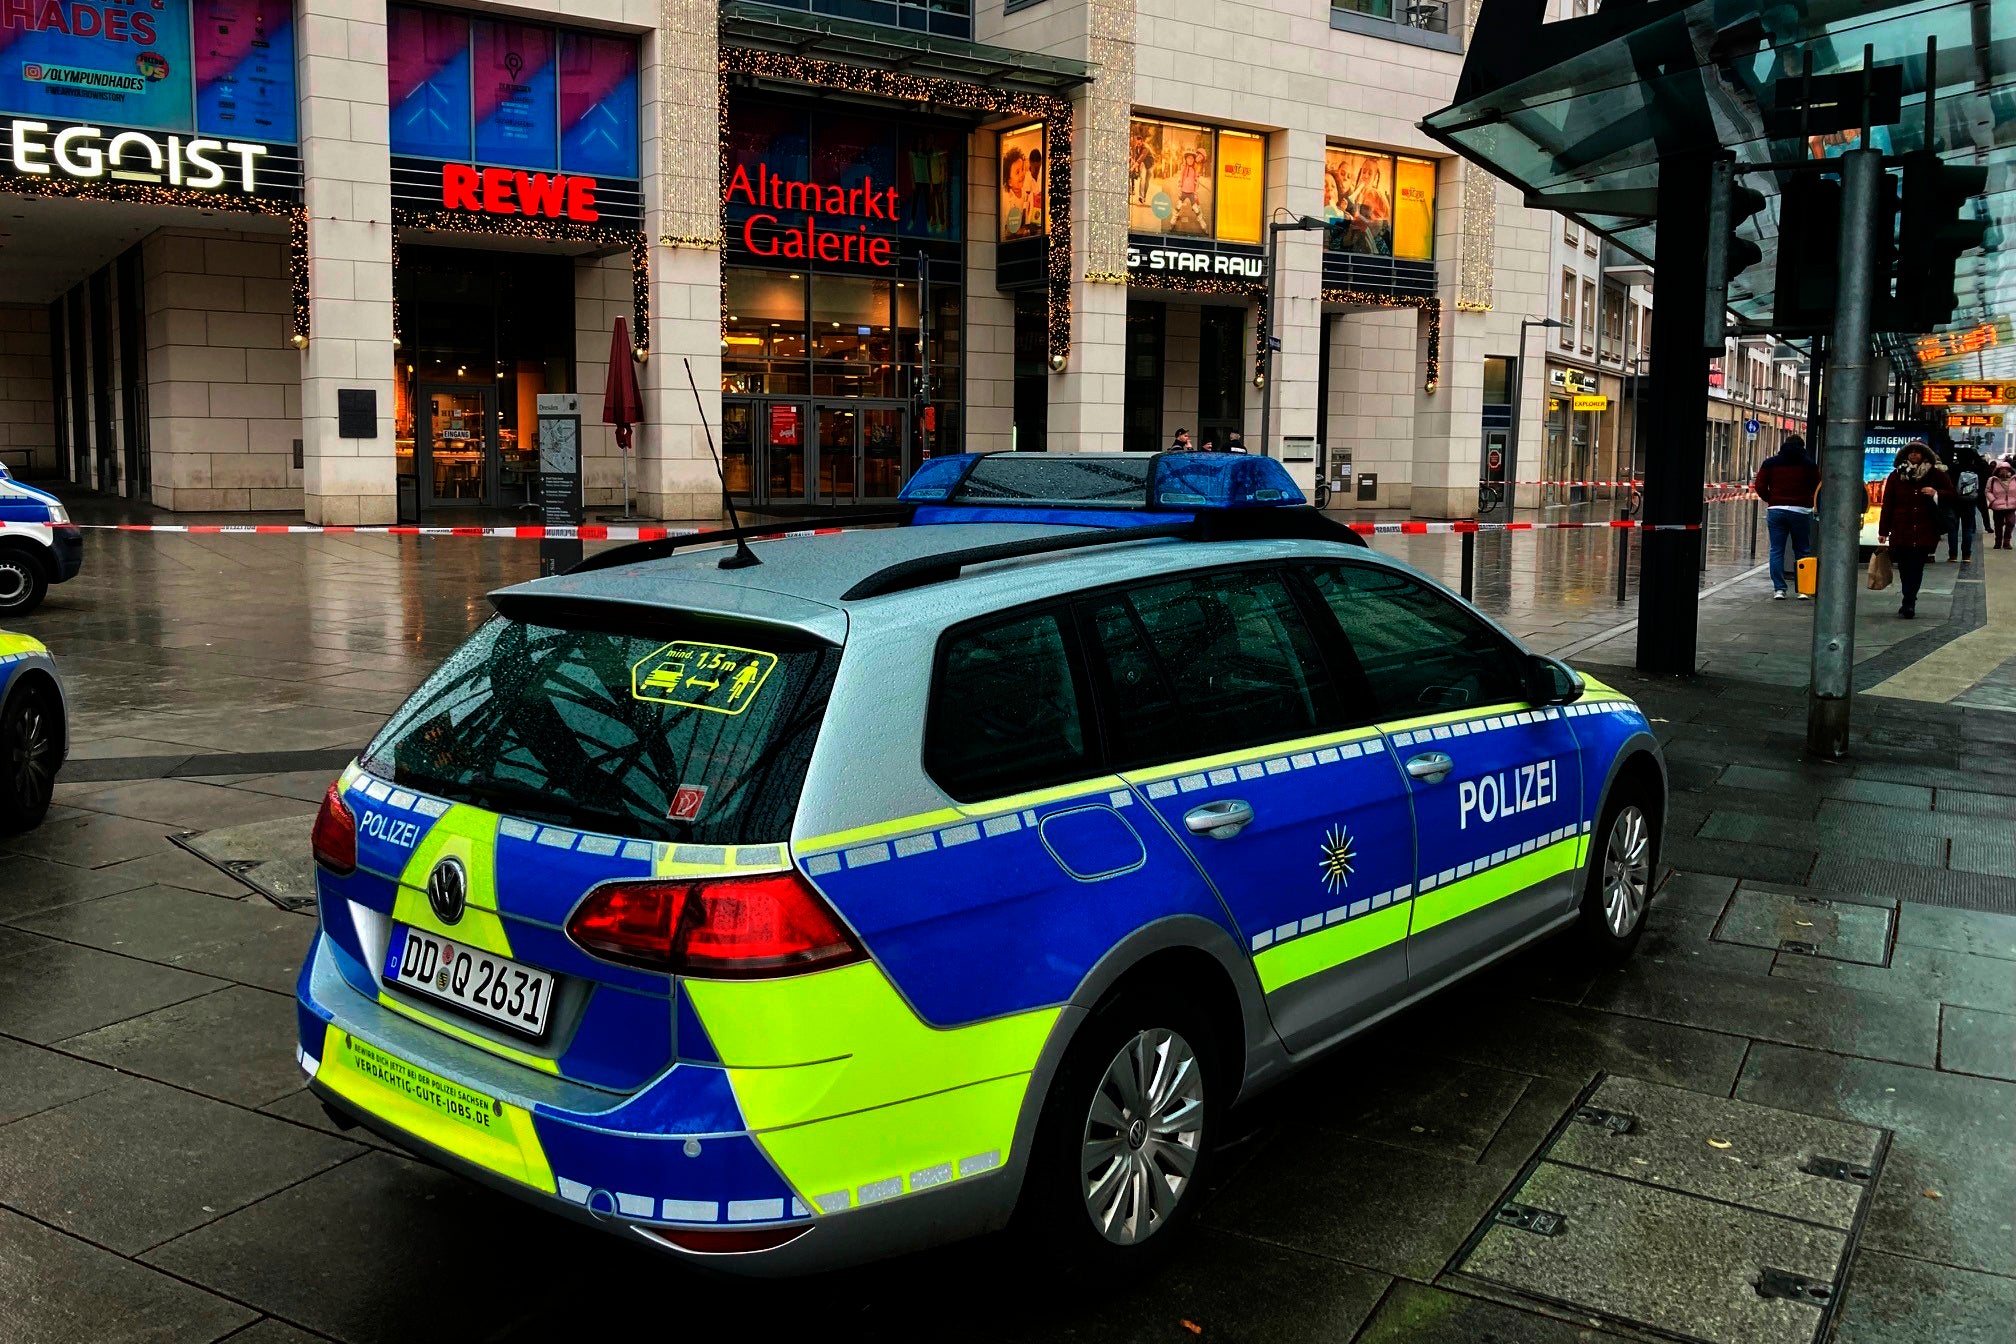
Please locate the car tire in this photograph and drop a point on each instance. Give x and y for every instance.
(1124, 1140)
(30, 748)
(23, 581)
(1617, 886)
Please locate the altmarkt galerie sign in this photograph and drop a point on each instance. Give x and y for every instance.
(815, 221)
(122, 94)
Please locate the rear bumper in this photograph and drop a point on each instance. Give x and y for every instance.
(66, 552)
(675, 1156)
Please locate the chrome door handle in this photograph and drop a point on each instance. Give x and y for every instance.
(1220, 820)
(1430, 767)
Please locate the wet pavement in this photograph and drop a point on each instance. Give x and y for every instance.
(1829, 973)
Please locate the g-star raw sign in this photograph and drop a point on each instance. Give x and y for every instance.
(766, 235)
(1166, 259)
(91, 154)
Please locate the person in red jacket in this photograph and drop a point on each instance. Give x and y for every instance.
(1787, 483)
(1915, 498)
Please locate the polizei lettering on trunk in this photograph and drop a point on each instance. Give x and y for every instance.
(1507, 793)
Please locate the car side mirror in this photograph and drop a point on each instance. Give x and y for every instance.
(1549, 681)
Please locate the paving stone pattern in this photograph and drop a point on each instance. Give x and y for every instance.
(162, 1177)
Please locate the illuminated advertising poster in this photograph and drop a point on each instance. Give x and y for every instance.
(244, 68)
(1880, 445)
(429, 79)
(516, 107)
(1242, 178)
(66, 60)
(1170, 175)
(598, 105)
(1358, 202)
(1414, 209)
(1022, 184)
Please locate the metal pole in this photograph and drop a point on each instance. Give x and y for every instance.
(1840, 521)
(1267, 325)
(1469, 577)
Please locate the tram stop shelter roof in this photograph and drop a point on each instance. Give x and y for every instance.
(1578, 114)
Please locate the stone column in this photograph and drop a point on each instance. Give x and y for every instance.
(674, 475)
(344, 145)
(1087, 400)
(1294, 185)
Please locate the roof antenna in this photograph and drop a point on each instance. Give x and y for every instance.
(743, 557)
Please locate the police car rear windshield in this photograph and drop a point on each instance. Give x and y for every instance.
(698, 734)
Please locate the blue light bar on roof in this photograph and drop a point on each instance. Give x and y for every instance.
(1149, 482)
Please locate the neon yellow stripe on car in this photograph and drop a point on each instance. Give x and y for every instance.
(12, 644)
(493, 1134)
(1304, 957)
(1442, 904)
(470, 835)
(807, 1051)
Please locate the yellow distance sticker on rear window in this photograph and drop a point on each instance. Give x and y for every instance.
(719, 678)
(417, 1084)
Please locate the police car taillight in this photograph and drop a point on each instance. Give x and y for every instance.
(719, 928)
(334, 837)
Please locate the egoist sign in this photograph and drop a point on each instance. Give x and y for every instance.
(91, 153)
(765, 235)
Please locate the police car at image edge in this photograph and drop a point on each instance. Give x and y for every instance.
(38, 547)
(795, 905)
(34, 734)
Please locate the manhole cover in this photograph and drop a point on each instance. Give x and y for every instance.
(1704, 1218)
(1833, 927)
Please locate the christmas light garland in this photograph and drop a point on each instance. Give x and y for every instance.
(546, 231)
(1054, 112)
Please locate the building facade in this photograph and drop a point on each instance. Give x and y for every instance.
(369, 260)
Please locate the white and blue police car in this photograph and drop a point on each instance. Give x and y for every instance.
(38, 546)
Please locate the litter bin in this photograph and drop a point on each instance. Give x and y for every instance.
(1809, 576)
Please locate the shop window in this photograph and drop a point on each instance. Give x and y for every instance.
(1195, 181)
(1428, 16)
(1221, 373)
(850, 320)
(1497, 380)
(520, 95)
(766, 315)
(1567, 314)
(1032, 372)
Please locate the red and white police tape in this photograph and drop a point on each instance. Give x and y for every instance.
(602, 532)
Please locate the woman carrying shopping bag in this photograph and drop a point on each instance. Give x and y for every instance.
(1915, 500)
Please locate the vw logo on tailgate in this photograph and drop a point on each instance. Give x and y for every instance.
(448, 890)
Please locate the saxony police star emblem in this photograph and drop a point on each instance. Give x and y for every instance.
(1338, 853)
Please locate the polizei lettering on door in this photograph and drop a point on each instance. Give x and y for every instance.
(1507, 793)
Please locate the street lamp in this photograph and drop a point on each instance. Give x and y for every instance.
(1519, 396)
(1275, 228)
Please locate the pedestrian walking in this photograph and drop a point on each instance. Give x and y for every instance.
(1915, 498)
(1967, 482)
(1787, 483)
(2000, 494)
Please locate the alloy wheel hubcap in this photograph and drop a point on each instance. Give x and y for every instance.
(30, 750)
(1627, 871)
(1143, 1133)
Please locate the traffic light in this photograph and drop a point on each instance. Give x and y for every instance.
(1809, 261)
(1729, 204)
(1930, 238)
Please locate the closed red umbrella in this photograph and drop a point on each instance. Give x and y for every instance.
(621, 405)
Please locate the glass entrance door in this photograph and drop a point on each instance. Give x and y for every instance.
(782, 435)
(839, 454)
(883, 434)
(455, 431)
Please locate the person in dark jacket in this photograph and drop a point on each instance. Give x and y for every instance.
(1915, 499)
(1969, 475)
(1787, 483)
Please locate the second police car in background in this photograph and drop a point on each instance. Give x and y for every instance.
(38, 546)
(33, 731)
(909, 882)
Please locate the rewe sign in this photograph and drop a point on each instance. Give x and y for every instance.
(510, 191)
